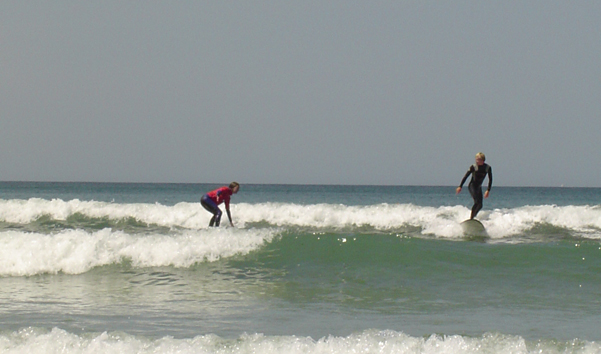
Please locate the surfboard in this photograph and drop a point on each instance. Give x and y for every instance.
(473, 227)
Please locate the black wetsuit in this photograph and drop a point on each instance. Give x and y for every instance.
(478, 174)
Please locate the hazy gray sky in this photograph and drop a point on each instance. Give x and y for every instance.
(332, 92)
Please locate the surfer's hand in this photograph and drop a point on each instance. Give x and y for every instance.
(486, 194)
(459, 190)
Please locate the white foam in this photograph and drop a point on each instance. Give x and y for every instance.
(78, 251)
(188, 215)
(441, 221)
(371, 341)
(584, 221)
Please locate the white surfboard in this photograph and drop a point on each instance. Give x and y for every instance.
(473, 227)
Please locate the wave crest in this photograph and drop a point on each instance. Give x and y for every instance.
(369, 341)
(443, 221)
(78, 251)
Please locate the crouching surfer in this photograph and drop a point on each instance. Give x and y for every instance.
(211, 200)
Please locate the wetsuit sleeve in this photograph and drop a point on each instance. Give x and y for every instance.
(226, 199)
(229, 215)
(227, 207)
(221, 193)
(489, 178)
(226, 194)
(467, 174)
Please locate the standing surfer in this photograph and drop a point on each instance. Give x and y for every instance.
(211, 200)
(479, 170)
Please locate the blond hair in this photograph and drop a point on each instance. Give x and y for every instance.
(481, 156)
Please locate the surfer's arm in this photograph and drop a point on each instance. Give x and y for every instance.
(229, 215)
(489, 181)
(467, 174)
(220, 195)
(227, 210)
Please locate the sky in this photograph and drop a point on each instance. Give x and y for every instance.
(300, 92)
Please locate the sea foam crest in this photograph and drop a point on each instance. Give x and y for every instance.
(582, 221)
(444, 221)
(78, 251)
(188, 215)
(440, 221)
(30, 340)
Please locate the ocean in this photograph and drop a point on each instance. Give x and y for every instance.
(134, 268)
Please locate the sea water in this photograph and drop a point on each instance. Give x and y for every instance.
(133, 268)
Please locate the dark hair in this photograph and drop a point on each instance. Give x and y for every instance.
(234, 185)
